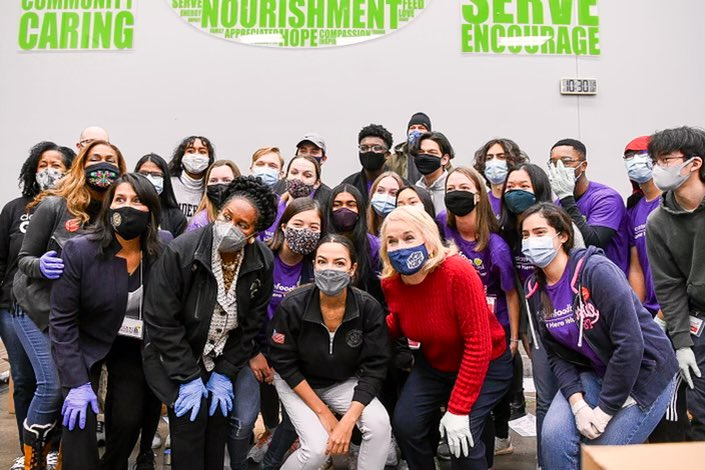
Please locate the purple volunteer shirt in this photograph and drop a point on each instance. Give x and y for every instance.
(268, 233)
(602, 206)
(523, 266)
(374, 244)
(636, 217)
(496, 204)
(562, 325)
(286, 278)
(494, 264)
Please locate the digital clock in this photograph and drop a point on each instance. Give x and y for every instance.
(578, 86)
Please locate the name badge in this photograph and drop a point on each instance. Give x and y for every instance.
(696, 326)
(491, 300)
(132, 328)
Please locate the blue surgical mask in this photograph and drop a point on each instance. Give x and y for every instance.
(496, 171)
(408, 261)
(269, 176)
(639, 168)
(157, 182)
(383, 204)
(413, 137)
(518, 200)
(539, 250)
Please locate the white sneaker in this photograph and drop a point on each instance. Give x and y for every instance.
(503, 446)
(156, 440)
(259, 449)
(18, 464)
(392, 456)
(52, 460)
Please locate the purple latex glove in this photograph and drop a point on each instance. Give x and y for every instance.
(75, 406)
(221, 388)
(50, 265)
(189, 399)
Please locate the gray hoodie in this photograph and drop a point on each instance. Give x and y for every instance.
(675, 242)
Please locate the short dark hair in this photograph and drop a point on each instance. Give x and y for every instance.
(28, 174)
(576, 144)
(175, 163)
(376, 130)
(260, 196)
(437, 137)
(688, 140)
(167, 197)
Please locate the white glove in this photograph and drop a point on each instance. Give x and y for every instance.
(584, 419)
(457, 430)
(562, 179)
(686, 361)
(600, 419)
(661, 323)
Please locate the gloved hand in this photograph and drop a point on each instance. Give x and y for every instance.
(75, 406)
(562, 179)
(457, 430)
(600, 419)
(661, 323)
(221, 387)
(686, 361)
(190, 395)
(584, 419)
(50, 265)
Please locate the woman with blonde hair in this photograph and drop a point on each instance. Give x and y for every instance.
(60, 215)
(436, 298)
(218, 177)
(383, 199)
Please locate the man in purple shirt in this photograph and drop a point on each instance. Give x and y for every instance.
(596, 209)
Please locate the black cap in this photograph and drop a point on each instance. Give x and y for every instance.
(420, 118)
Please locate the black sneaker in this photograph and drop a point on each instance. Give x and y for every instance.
(517, 409)
(145, 460)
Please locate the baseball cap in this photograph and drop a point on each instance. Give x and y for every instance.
(640, 144)
(315, 139)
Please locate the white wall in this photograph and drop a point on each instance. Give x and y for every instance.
(179, 81)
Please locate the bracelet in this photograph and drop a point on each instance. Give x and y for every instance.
(514, 340)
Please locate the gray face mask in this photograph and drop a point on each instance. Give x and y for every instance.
(228, 238)
(331, 282)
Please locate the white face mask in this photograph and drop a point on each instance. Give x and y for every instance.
(157, 182)
(496, 171)
(539, 250)
(48, 177)
(195, 163)
(670, 179)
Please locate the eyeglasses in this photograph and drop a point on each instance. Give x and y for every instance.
(153, 174)
(373, 148)
(567, 161)
(636, 154)
(666, 161)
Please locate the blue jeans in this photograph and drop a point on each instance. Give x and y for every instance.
(416, 413)
(546, 385)
(242, 420)
(46, 404)
(21, 369)
(631, 425)
(284, 436)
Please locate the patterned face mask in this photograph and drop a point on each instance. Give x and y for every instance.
(101, 175)
(48, 177)
(297, 188)
(301, 241)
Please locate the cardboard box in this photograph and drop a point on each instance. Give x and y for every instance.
(680, 456)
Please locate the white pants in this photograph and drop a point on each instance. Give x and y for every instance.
(374, 425)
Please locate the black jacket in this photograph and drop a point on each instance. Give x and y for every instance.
(13, 225)
(179, 303)
(88, 305)
(173, 220)
(300, 347)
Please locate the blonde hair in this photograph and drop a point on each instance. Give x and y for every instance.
(264, 151)
(72, 186)
(485, 220)
(374, 220)
(426, 227)
(206, 203)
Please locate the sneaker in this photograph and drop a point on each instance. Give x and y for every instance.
(18, 464)
(259, 450)
(443, 451)
(503, 446)
(517, 409)
(145, 461)
(53, 460)
(156, 440)
(392, 458)
(100, 433)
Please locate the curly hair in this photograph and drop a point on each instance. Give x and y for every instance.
(515, 155)
(28, 174)
(375, 130)
(259, 195)
(175, 168)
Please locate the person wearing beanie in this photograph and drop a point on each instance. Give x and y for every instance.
(401, 161)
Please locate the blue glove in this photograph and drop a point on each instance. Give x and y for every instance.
(75, 406)
(50, 265)
(190, 395)
(221, 387)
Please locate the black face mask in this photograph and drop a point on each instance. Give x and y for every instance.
(460, 203)
(371, 161)
(216, 193)
(129, 222)
(426, 164)
(100, 176)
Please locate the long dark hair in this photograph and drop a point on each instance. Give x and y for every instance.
(175, 164)
(298, 205)
(103, 231)
(341, 240)
(167, 197)
(28, 174)
(515, 156)
(357, 236)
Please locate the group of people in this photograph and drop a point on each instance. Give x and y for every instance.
(379, 319)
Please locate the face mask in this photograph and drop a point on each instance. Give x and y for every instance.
(427, 164)
(331, 282)
(47, 178)
(460, 203)
(344, 219)
(195, 163)
(518, 200)
(496, 171)
(217, 193)
(371, 161)
(228, 237)
(539, 250)
(576, 171)
(129, 222)
(157, 182)
(670, 179)
(639, 168)
(413, 137)
(408, 261)
(101, 175)
(301, 241)
(298, 188)
(269, 176)
(383, 204)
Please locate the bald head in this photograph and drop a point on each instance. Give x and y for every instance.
(89, 134)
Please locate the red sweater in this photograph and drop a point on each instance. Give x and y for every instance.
(448, 314)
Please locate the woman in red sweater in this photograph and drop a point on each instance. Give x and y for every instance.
(436, 298)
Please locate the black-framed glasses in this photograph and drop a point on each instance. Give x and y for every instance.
(567, 161)
(372, 148)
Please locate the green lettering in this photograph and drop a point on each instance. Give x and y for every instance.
(124, 29)
(375, 14)
(482, 38)
(579, 42)
(102, 23)
(593, 41)
(85, 30)
(209, 14)
(248, 14)
(393, 13)
(338, 13)
(315, 14)
(561, 11)
(27, 39)
(48, 35)
(563, 41)
(27, 5)
(466, 38)
(69, 30)
(585, 18)
(266, 13)
(499, 14)
(514, 31)
(228, 15)
(548, 47)
(523, 16)
(479, 14)
(531, 31)
(298, 18)
(497, 33)
(357, 14)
